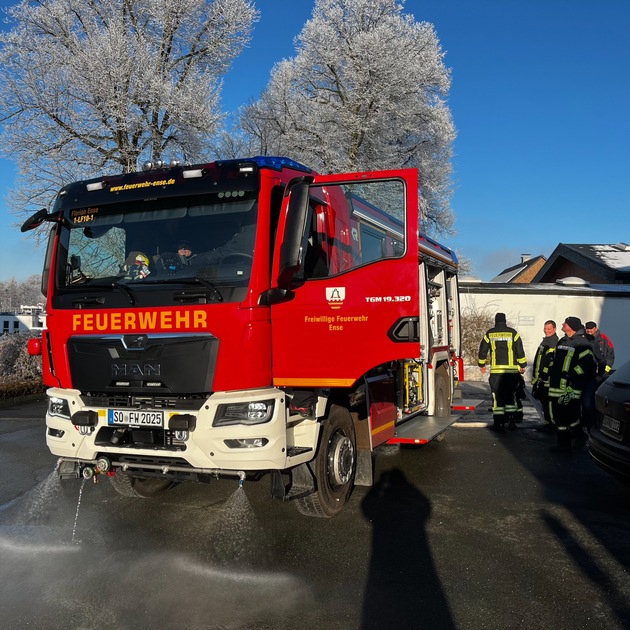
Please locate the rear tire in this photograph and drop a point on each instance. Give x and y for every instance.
(334, 466)
(443, 399)
(129, 486)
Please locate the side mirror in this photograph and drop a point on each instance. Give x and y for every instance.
(35, 221)
(291, 248)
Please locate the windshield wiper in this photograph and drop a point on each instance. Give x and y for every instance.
(88, 301)
(85, 301)
(117, 284)
(195, 280)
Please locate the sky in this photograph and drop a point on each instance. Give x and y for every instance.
(540, 97)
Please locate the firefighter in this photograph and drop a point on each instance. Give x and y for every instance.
(572, 368)
(544, 355)
(507, 363)
(185, 253)
(136, 266)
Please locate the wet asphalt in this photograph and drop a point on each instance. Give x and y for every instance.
(480, 530)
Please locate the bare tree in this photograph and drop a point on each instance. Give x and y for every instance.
(95, 85)
(366, 90)
(475, 322)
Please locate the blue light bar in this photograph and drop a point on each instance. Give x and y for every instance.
(270, 161)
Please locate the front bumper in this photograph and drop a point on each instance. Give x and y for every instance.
(286, 441)
(610, 455)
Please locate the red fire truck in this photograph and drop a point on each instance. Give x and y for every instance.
(244, 317)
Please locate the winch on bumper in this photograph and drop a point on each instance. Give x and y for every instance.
(231, 431)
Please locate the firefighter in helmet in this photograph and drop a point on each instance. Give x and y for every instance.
(136, 266)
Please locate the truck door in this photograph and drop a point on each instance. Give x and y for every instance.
(346, 298)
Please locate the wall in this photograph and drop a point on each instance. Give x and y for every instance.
(10, 324)
(527, 307)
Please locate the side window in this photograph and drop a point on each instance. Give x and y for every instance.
(356, 224)
(372, 244)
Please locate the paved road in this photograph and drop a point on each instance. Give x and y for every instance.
(477, 531)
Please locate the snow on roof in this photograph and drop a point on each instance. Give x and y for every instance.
(613, 256)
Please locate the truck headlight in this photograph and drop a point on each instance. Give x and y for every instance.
(58, 407)
(255, 412)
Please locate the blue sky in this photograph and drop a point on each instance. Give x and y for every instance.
(541, 101)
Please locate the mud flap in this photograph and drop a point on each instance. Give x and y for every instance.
(364, 475)
(301, 483)
(67, 469)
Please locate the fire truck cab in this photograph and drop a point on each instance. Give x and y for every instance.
(244, 317)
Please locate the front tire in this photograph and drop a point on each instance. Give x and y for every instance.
(129, 486)
(334, 466)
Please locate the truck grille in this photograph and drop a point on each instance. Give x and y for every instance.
(188, 403)
(149, 439)
(162, 365)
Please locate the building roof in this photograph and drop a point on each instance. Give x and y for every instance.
(595, 263)
(523, 272)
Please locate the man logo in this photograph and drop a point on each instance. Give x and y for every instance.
(135, 342)
(136, 369)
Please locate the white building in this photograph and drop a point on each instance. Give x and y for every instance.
(528, 306)
(28, 318)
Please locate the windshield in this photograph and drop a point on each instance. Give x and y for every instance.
(202, 238)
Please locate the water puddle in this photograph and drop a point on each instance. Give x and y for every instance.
(59, 561)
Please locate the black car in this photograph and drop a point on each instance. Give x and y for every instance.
(610, 436)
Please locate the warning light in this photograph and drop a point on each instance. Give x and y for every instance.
(34, 346)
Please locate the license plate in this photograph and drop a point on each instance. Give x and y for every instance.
(135, 418)
(612, 425)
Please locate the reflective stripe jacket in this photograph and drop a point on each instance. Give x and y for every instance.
(506, 350)
(572, 366)
(544, 356)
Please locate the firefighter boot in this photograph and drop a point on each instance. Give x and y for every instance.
(497, 424)
(580, 436)
(512, 422)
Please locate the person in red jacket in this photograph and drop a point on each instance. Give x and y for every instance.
(605, 345)
(604, 352)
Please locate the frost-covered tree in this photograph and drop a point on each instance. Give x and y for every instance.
(14, 294)
(366, 90)
(16, 364)
(96, 85)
